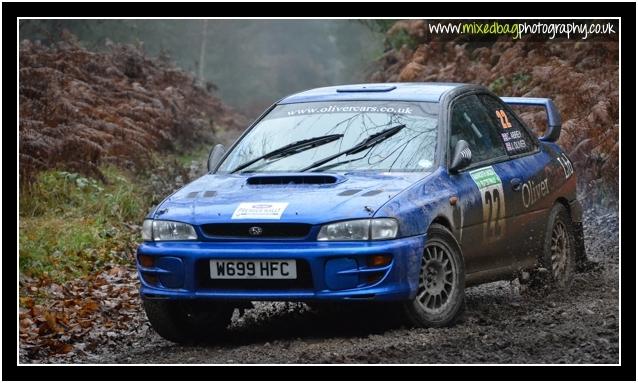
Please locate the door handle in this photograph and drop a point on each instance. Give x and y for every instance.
(516, 184)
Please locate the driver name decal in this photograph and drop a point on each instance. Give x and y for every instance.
(260, 210)
(514, 141)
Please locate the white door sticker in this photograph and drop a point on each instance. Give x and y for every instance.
(260, 210)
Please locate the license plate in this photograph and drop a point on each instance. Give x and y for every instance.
(253, 269)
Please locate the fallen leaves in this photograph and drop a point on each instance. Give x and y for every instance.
(80, 315)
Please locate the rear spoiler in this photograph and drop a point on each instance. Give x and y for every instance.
(553, 116)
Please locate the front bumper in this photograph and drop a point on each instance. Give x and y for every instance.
(336, 270)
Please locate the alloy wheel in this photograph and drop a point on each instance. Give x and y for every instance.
(437, 279)
(559, 251)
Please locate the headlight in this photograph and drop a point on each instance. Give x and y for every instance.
(147, 230)
(154, 230)
(359, 230)
(383, 228)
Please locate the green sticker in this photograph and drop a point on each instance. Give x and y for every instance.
(485, 177)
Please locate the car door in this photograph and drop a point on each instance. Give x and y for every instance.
(484, 197)
(533, 173)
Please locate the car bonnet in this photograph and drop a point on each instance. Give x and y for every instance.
(303, 197)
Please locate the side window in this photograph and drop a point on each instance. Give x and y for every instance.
(471, 123)
(514, 135)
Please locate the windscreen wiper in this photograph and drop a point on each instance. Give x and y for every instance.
(334, 164)
(290, 149)
(363, 145)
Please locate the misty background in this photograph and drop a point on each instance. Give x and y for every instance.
(248, 63)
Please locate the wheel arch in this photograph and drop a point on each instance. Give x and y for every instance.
(444, 221)
(575, 213)
(563, 201)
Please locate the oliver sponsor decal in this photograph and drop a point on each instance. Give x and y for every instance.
(533, 191)
(493, 200)
(260, 210)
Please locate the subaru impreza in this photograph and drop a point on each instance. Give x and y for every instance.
(405, 193)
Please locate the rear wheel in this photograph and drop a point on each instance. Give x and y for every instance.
(559, 254)
(440, 297)
(188, 321)
(558, 260)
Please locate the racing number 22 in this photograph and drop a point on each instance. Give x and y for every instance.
(493, 202)
(503, 117)
(492, 199)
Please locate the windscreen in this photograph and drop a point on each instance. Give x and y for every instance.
(412, 148)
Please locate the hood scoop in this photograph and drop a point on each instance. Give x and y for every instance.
(298, 179)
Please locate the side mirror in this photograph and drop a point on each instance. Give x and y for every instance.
(462, 156)
(215, 156)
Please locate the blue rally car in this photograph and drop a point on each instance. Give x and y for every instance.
(404, 193)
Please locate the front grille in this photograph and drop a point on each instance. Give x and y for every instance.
(303, 281)
(268, 230)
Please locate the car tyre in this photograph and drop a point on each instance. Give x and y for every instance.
(558, 260)
(188, 321)
(440, 297)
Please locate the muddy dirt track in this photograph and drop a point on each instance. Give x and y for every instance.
(501, 325)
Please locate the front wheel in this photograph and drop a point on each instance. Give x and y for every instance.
(187, 321)
(440, 297)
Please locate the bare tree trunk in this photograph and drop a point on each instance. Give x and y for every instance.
(202, 51)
